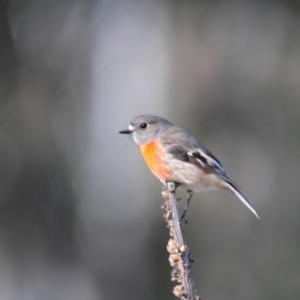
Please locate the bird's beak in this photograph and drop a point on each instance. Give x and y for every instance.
(126, 131)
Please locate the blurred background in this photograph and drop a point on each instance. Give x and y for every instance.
(80, 214)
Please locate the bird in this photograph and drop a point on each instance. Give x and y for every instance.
(174, 155)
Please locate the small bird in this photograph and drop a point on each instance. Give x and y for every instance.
(174, 155)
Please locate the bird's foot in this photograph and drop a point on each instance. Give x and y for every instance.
(183, 220)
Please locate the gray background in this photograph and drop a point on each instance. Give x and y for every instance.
(80, 214)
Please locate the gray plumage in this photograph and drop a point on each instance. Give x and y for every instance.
(188, 161)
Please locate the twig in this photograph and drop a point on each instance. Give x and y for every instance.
(180, 257)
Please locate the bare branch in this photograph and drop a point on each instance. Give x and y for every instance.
(179, 253)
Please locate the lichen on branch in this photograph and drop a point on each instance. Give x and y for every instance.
(180, 257)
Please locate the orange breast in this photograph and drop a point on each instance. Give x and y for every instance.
(153, 154)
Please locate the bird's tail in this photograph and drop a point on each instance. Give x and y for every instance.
(234, 188)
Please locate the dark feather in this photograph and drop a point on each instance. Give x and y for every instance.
(179, 153)
(200, 157)
(210, 160)
(207, 163)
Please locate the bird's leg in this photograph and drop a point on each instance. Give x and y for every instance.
(189, 197)
(170, 185)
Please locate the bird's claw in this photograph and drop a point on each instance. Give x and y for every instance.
(183, 220)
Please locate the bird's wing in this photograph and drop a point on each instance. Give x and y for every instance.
(200, 157)
(207, 160)
(187, 148)
(203, 159)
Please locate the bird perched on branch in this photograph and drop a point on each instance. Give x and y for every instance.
(174, 155)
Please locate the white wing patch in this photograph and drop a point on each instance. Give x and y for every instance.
(206, 158)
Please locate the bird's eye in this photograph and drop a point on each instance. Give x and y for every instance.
(144, 125)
